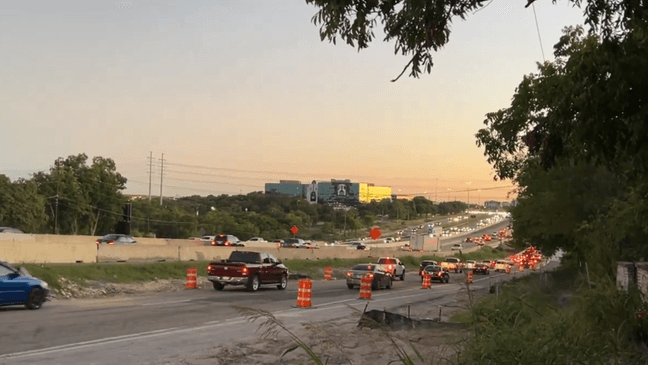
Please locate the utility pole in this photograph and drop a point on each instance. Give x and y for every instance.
(58, 184)
(150, 173)
(436, 187)
(161, 176)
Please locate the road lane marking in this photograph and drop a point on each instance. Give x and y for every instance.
(84, 343)
(162, 303)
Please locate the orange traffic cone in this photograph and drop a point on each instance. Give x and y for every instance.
(328, 271)
(192, 276)
(469, 277)
(365, 287)
(304, 293)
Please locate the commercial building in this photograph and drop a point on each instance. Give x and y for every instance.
(330, 192)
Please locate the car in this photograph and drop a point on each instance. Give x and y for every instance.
(468, 239)
(207, 240)
(10, 230)
(227, 240)
(490, 263)
(257, 239)
(452, 264)
(17, 288)
(279, 241)
(425, 263)
(389, 239)
(457, 247)
(296, 243)
(393, 266)
(470, 264)
(502, 265)
(116, 239)
(480, 268)
(436, 272)
(379, 278)
(356, 245)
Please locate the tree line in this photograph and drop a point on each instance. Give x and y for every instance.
(85, 197)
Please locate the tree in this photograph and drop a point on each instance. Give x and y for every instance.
(419, 27)
(83, 198)
(21, 206)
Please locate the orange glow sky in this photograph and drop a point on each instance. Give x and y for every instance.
(249, 86)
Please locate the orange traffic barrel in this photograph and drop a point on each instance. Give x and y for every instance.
(192, 276)
(469, 277)
(365, 287)
(328, 271)
(427, 282)
(521, 268)
(304, 293)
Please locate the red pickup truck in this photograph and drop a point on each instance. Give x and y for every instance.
(248, 268)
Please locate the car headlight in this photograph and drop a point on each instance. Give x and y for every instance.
(44, 285)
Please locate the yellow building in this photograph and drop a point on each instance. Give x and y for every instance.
(369, 192)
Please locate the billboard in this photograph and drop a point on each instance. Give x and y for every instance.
(312, 193)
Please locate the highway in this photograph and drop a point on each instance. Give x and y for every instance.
(159, 327)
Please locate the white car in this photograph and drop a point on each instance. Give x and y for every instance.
(257, 239)
(393, 266)
(457, 247)
(470, 264)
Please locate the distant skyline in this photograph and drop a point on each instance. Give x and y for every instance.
(244, 92)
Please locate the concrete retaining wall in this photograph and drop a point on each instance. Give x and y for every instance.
(26, 248)
(143, 253)
(43, 252)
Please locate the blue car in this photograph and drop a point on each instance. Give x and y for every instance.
(17, 289)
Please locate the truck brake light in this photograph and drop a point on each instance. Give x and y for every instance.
(244, 271)
(208, 268)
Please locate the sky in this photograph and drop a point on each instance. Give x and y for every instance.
(237, 93)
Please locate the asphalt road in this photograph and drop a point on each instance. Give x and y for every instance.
(158, 327)
(447, 242)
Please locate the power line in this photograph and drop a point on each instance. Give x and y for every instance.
(538, 29)
(214, 182)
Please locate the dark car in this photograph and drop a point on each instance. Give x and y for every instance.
(480, 268)
(296, 243)
(425, 263)
(116, 239)
(19, 289)
(436, 273)
(379, 278)
(227, 240)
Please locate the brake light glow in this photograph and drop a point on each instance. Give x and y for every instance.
(97, 241)
(208, 268)
(227, 243)
(370, 275)
(244, 270)
(349, 273)
(111, 243)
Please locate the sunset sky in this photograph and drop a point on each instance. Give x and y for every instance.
(238, 93)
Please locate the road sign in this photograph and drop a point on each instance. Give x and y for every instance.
(375, 233)
(294, 230)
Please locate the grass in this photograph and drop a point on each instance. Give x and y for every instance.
(113, 272)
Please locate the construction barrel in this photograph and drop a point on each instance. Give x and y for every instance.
(365, 287)
(427, 282)
(469, 277)
(304, 293)
(328, 272)
(192, 278)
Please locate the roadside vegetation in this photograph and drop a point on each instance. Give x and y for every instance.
(559, 317)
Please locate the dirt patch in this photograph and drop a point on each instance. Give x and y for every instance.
(96, 289)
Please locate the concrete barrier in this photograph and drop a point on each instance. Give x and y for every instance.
(24, 251)
(205, 253)
(138, 253)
